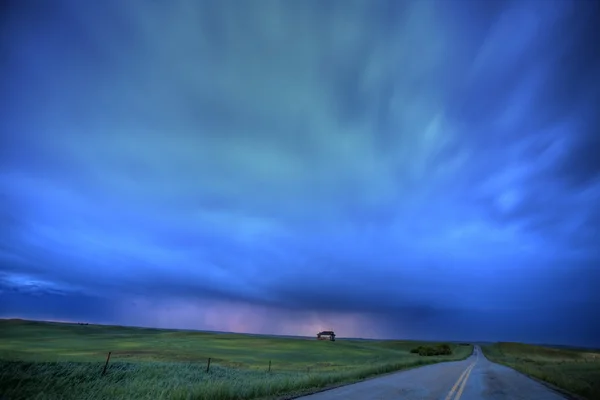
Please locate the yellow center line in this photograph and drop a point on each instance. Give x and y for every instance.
(464, 375)
(464, 382)
(458, 383)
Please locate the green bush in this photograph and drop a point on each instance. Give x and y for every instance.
(439, 350)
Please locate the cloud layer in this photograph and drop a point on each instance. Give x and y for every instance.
(379, 168)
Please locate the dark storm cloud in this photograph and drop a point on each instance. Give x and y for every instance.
(581, 166)
(290, 167)
(74, 307)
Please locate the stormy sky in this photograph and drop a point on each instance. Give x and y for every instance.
(386, 169)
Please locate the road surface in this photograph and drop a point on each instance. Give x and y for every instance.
(475, 378)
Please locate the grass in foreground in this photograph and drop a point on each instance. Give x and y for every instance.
(41, 360)
(577, 371)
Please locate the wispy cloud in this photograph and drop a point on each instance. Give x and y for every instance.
(390, 162)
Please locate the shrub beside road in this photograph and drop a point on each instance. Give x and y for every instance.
(443, 349)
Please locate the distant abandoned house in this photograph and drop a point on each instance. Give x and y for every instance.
(325, 335)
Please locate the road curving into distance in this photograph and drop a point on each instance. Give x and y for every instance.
(475, 378)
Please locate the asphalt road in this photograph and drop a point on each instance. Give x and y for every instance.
(472, 379)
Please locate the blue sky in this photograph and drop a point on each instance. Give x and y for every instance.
(386, 169)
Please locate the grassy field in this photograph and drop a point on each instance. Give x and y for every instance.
(577, 371)
(40, 360)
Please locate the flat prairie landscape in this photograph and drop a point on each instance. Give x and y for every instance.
(44, 360)
(574, 370)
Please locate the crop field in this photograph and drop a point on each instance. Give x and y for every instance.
(43, 360)
(577, 371)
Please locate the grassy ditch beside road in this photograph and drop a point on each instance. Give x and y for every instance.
(54, 360)
(576, 371)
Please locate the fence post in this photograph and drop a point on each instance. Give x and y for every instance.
(208, 365)
(269, 365)
(106, 365)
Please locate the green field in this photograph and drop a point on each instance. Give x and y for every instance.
(42, 360)
(577, 371)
